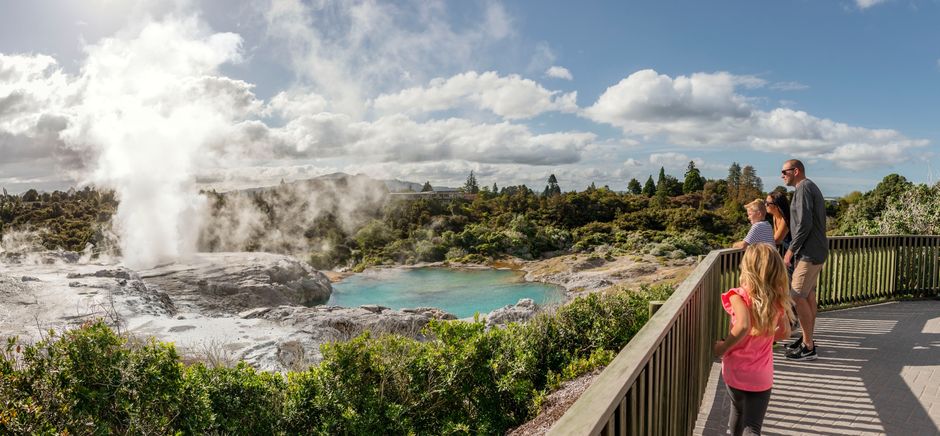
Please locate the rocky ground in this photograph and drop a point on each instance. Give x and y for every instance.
(590, 273)
(219, 307)
(267, 309)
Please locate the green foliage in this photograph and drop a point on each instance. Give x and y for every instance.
(471, 185)
(694, 181)
(64, 220)
(634, 188)
(463, 379)
(862, 213)
(242, 400)
(649, 189)
(90, 380)
(894, 207)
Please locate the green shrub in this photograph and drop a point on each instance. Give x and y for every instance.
(242, 400)
(463, 379)
(90, 380)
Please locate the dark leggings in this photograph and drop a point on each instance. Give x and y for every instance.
(747, 411)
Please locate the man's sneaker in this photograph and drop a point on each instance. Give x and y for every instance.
(802, 354)
(795, 344)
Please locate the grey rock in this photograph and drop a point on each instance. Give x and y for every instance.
(230, 283)
(520, 312)
(29, 279)
(374, 308)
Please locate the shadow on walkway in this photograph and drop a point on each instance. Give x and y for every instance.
(878, 372)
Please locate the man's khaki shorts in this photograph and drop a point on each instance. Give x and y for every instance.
(805, 274)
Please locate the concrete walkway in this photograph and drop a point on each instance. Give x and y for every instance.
(878, 372)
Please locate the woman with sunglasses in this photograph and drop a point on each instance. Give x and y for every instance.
(779, 209)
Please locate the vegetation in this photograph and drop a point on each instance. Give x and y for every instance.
(67, 220)
(668, 219)
(895, 207)
(464, 379)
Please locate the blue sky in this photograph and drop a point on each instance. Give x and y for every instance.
(223, 95)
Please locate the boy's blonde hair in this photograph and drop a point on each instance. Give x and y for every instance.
(764, 277)
(757, 205)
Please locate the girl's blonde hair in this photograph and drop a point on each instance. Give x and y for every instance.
(764, 277)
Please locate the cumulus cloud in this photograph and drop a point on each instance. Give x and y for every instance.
(348, 51)
(511, 97)
(559, 73)
(707, 109)
(673, 160)
(397, 138)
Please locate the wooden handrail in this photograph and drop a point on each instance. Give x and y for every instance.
(654, 386)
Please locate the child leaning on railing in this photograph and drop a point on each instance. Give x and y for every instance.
(760, 312)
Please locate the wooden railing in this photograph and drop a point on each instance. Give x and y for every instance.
(655, 384)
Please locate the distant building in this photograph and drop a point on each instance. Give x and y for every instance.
(444, 194)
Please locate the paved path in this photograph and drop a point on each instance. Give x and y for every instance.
(878, 372)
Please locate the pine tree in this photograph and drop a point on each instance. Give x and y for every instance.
(471, 185)
(661, 182)
(552, 188)
(649, 189)
(634, 187)
(694, 181)
(495, 189)
(751, 185)
(734, 182)
(427, 187)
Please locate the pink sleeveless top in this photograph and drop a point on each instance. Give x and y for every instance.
(749, 365)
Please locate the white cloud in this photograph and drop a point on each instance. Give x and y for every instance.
(296, 103)
(706, 109)
(511, 97)
(649, 103)
(632, 163)
(398, 138)
(559, 73)
(865, 4)
(673, 160)
(348, 51)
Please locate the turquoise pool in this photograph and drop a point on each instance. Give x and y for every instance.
(460, 292)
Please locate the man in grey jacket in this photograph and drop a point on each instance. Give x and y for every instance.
(808, 251)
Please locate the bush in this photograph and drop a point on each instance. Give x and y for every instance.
(463, 379)
(90, 380)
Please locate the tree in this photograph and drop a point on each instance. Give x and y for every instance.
(427, 187)
(31, 195)
(751, 186)
(471, 185)
(495, 189)
(694, 181)
(660, 183)
(634, 187)
(649, 189)
(552, 188)
(734, 181)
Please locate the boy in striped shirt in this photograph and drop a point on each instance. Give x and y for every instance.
(761, 231)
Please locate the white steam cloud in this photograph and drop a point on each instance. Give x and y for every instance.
(148, 112)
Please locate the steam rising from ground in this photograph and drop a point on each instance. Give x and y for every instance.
(147, 112)
(293, 218)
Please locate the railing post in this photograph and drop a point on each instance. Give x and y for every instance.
(654, 306)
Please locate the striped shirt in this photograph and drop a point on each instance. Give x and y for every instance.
(760, 232)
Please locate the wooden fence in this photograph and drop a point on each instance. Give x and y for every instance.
(656, 383)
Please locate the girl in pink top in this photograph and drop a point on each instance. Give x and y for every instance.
(760, 314)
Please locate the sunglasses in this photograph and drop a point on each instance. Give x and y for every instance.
(784, 172)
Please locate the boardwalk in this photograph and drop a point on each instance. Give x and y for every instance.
(878, 372)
